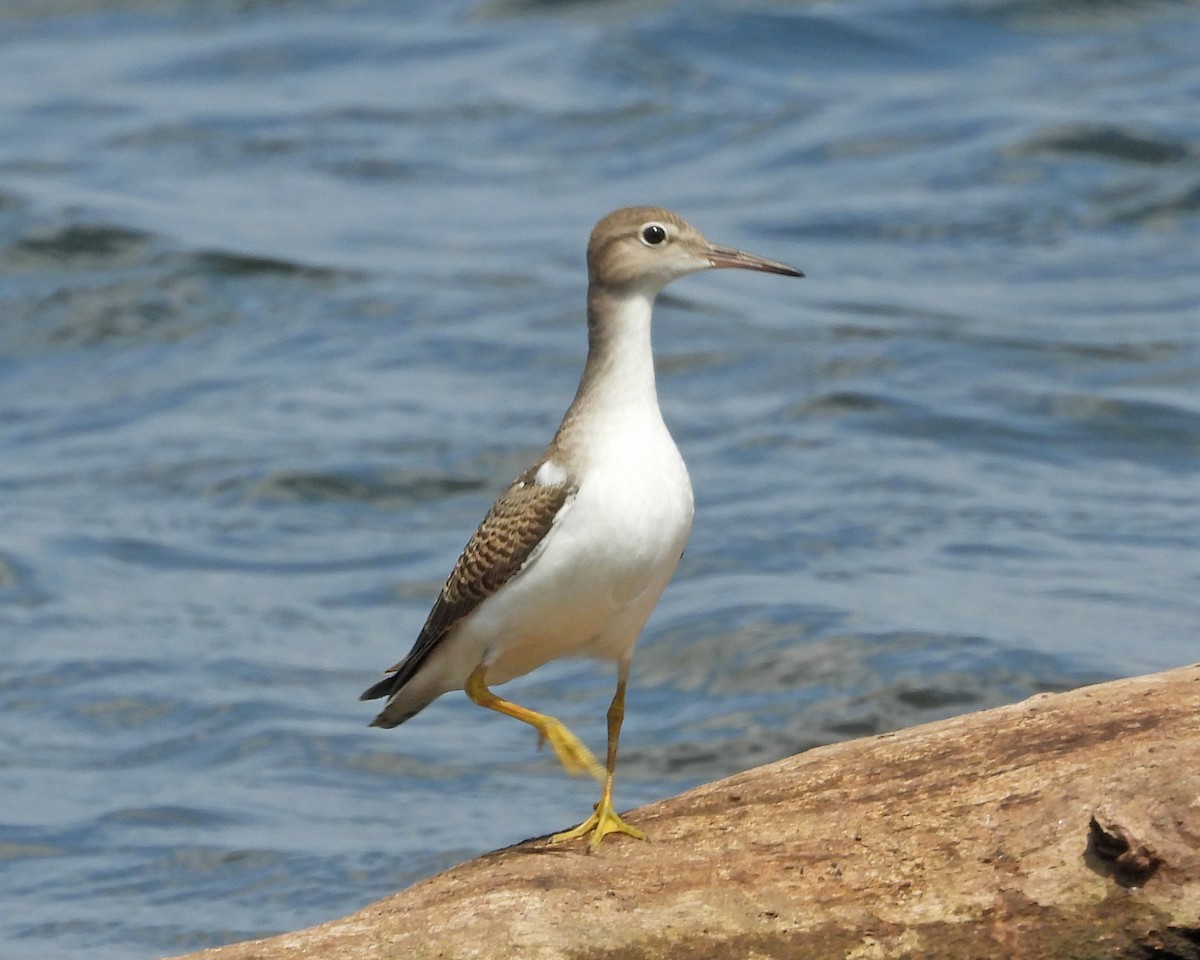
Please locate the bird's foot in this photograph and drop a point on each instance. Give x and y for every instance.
(575, 757)
(603, 821)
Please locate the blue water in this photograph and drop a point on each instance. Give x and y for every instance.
(290, 291)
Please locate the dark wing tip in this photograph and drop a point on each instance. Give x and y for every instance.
(384, 688)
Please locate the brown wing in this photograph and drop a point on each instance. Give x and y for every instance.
(505, 539)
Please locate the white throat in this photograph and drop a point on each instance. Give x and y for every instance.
(620, 366)
(614, 419)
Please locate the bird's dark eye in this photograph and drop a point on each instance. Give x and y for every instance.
(653, 234)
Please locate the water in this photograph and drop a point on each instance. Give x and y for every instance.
(291, 290)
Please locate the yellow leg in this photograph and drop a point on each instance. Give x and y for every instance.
(569, 749)
(604, 819)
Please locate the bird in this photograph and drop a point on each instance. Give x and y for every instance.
(573, 556)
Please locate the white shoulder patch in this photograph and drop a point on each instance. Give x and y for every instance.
(550, 474)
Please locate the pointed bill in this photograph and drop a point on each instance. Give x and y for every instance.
(728, 257)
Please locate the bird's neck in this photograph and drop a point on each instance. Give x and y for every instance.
(618, 378)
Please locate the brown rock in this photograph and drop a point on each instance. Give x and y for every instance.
(1066, 826)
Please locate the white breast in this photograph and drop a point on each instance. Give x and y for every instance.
(602, 567)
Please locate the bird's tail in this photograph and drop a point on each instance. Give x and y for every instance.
(407, 698)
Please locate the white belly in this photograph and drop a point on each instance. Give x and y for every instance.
(602, 569)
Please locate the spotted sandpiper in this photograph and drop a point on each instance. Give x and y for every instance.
(575, 554)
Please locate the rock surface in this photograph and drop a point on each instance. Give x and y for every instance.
(1066, 826)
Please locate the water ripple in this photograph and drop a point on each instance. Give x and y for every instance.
(291, 293)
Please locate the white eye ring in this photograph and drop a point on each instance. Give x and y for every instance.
(653, 234)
